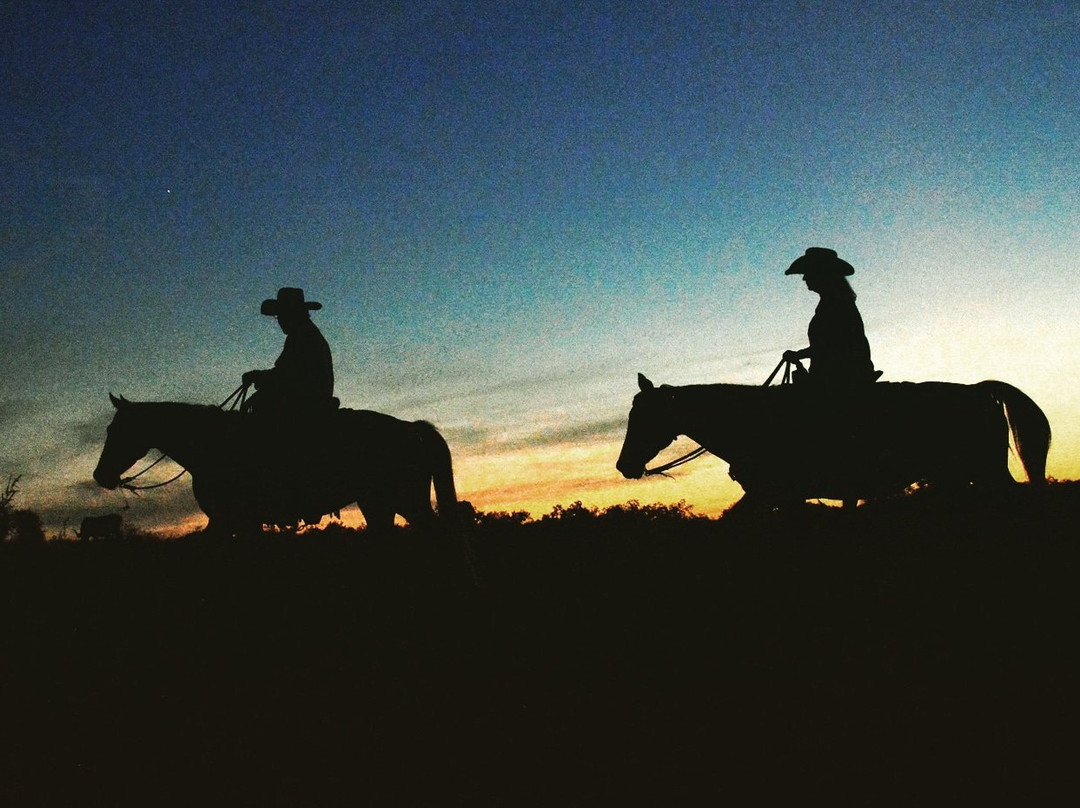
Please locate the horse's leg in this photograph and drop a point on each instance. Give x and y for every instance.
(227, 527)
(446, 549)
(992, 482)
(420, 515)
(413, 501)
(225, 520)
(379, 518)
(414, 504)
(445, 542)
(749, 503)
(217, 523)
(221, 528)
(766, 502)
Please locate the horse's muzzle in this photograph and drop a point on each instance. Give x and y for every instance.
(107, 481)
(630, 473)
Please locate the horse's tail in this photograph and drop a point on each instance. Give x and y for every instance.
(441, 466)
(1029, 425)
(442, 476)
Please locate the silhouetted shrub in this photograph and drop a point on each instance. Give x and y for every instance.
(656, 512)
(24, 527)
(6, 496)
(574, 512)
(501, 518)
(19, 526)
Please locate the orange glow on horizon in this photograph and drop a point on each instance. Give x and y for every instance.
(537, 479)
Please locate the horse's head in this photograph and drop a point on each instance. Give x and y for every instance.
(124, 444)
(648, 430)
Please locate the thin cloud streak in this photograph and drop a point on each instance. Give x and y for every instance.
(480, 438)
(90, 434)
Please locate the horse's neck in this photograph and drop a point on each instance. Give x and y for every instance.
(718, 416)
(190, 434)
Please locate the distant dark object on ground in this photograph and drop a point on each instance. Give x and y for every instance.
(109, 526)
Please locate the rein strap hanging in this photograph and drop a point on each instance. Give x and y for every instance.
(686, 458)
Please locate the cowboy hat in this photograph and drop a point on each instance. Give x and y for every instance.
(288, 299)
(820, 259)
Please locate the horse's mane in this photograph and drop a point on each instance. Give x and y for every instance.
(199, 416)
(726, 387)
(207, 417)
(753, 406)
(699, 391)
(693, 396)
(210, 410)
(185, 408)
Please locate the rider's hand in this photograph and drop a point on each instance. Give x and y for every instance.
(251, 377)
(791, 356)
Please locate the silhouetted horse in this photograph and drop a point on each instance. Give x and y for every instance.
(109, 526)
(788, 443)
(247, 471)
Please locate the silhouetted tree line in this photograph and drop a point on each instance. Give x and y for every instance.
(579, 513)
(23, 526)
(18, 525)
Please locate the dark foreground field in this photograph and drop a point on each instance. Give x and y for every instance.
(912, 652)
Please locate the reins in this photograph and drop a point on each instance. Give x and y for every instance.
(238, 397)
(126, 484)
(785, 363)
(235, 400)
(686, 458)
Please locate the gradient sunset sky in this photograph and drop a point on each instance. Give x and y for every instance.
(509, 209)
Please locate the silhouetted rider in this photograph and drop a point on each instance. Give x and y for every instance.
(839, 353)
(302, 379)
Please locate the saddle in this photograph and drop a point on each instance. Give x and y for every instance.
(800, 375)
(261, 403)
(295, 432)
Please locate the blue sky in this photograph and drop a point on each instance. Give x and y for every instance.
(508, 210)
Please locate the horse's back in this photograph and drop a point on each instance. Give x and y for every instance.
(375, 429)
(876, 439)
(325, 437)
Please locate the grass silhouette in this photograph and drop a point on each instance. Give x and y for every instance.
(638, 654)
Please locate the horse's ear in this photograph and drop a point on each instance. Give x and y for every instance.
(117, 402)
(643, 383)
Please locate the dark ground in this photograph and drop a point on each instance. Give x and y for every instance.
(913, 652)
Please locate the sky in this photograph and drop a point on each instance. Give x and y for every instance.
(508, 210)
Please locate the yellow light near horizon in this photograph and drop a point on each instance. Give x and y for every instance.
(1036, 356)
(537, 479)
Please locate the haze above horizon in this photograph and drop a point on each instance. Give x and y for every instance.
(508, 212)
